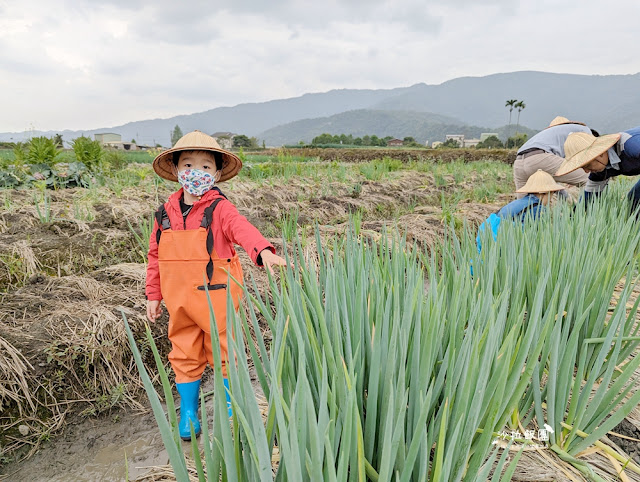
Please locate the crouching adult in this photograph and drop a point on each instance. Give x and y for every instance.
(604, 157)
(545, 151)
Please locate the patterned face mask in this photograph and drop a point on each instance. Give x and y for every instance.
(195, 181)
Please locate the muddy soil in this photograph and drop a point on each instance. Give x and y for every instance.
(123, 445)
(630, 440)
(95, 449)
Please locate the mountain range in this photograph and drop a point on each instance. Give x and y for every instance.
(466, 105)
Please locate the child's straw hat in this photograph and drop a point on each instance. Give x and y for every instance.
(540, 181)
(196, 141)
(559, 120)
(581, 148)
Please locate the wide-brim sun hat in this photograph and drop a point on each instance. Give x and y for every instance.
(559, 120)
(196, 141)
(581, 148)
(539, 182)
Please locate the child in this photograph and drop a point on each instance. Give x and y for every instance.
(192, 238)
(538, 190)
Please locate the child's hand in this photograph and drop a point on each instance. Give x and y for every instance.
(269, 259)
(154, 310)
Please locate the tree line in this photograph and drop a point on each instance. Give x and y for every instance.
(368, 140)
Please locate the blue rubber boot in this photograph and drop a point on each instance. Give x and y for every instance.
(189, 398)
(226, 394)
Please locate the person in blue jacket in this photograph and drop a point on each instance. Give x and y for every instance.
(538, 191)
(604, 157)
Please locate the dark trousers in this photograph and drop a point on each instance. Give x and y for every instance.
(634, 196)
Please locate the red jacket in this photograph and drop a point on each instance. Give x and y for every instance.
(229, 228)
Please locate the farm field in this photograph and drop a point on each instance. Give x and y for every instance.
(72, 261)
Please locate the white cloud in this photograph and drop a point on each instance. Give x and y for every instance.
(82, 65)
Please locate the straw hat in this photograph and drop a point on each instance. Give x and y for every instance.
(196, 141)
(540, 181)
(581, 148)
(559, 120)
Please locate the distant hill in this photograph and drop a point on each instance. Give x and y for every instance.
(249, 119)
(422, 126)
(608, 103)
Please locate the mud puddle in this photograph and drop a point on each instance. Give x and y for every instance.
(96, 450)
(122, 446)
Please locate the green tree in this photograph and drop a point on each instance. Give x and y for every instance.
(520, 106)
(366, 141)
(516, 141)
(357, 141)
(491, 142)
(451, 143)
(241, 141)
(322, 139)
(510, 104)
(176, 134)
(57, 139)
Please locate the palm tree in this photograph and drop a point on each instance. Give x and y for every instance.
(510, 104)
(520, 106)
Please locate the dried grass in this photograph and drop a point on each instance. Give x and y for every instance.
(29, 428)
(16, 375)
(74, 323)
(31, 264)
(127, 271)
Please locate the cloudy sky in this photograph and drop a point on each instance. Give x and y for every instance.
(81, 64)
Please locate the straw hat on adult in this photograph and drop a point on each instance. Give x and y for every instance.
(196, 141)
(540, 182)
(581, 148)
(559, 120)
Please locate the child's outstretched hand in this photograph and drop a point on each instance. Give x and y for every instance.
(154, 310)
(269, 259)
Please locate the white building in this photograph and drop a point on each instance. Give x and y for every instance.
(470, 142)
(459, 138)
(106, 137)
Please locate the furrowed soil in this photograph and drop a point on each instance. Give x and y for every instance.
(73, 407)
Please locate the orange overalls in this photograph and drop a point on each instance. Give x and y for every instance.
(186, 259)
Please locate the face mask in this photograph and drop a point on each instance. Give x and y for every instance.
(195, 181)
